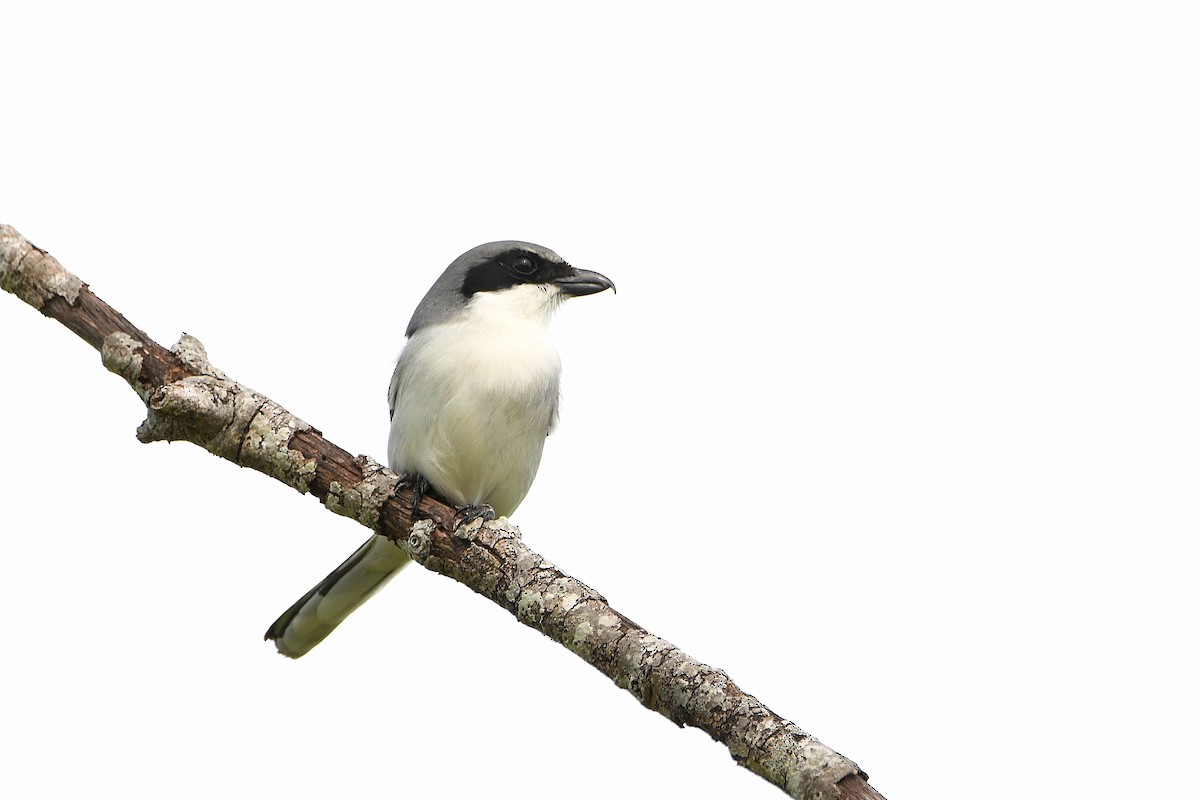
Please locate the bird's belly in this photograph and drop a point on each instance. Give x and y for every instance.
(480, 450)
(478, 437)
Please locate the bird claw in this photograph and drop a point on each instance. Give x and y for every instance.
(420, 487)
(468, 514)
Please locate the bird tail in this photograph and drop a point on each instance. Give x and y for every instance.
(314, 616)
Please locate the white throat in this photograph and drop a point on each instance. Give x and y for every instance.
(529, 303)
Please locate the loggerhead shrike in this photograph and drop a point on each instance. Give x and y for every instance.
(473, 397)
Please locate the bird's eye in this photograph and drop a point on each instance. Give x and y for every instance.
(523, 265)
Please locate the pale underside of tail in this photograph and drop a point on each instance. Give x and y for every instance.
(314, 616)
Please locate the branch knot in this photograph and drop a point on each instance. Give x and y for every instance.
(230, 421)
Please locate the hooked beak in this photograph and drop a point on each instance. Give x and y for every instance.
(581, 281)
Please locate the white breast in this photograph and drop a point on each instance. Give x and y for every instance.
(475, 399)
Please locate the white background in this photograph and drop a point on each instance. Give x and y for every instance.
(895, 418)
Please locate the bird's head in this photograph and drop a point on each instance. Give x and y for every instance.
(511, 278)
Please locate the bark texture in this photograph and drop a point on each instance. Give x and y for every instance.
(187, 399)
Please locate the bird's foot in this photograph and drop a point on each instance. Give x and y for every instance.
(468, 514)
(420, 487)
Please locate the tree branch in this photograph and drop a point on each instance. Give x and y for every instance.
(187, 399)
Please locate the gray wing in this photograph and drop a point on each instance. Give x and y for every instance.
(394, 387)
(553, 410)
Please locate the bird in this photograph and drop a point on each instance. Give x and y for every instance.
(472, 399)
